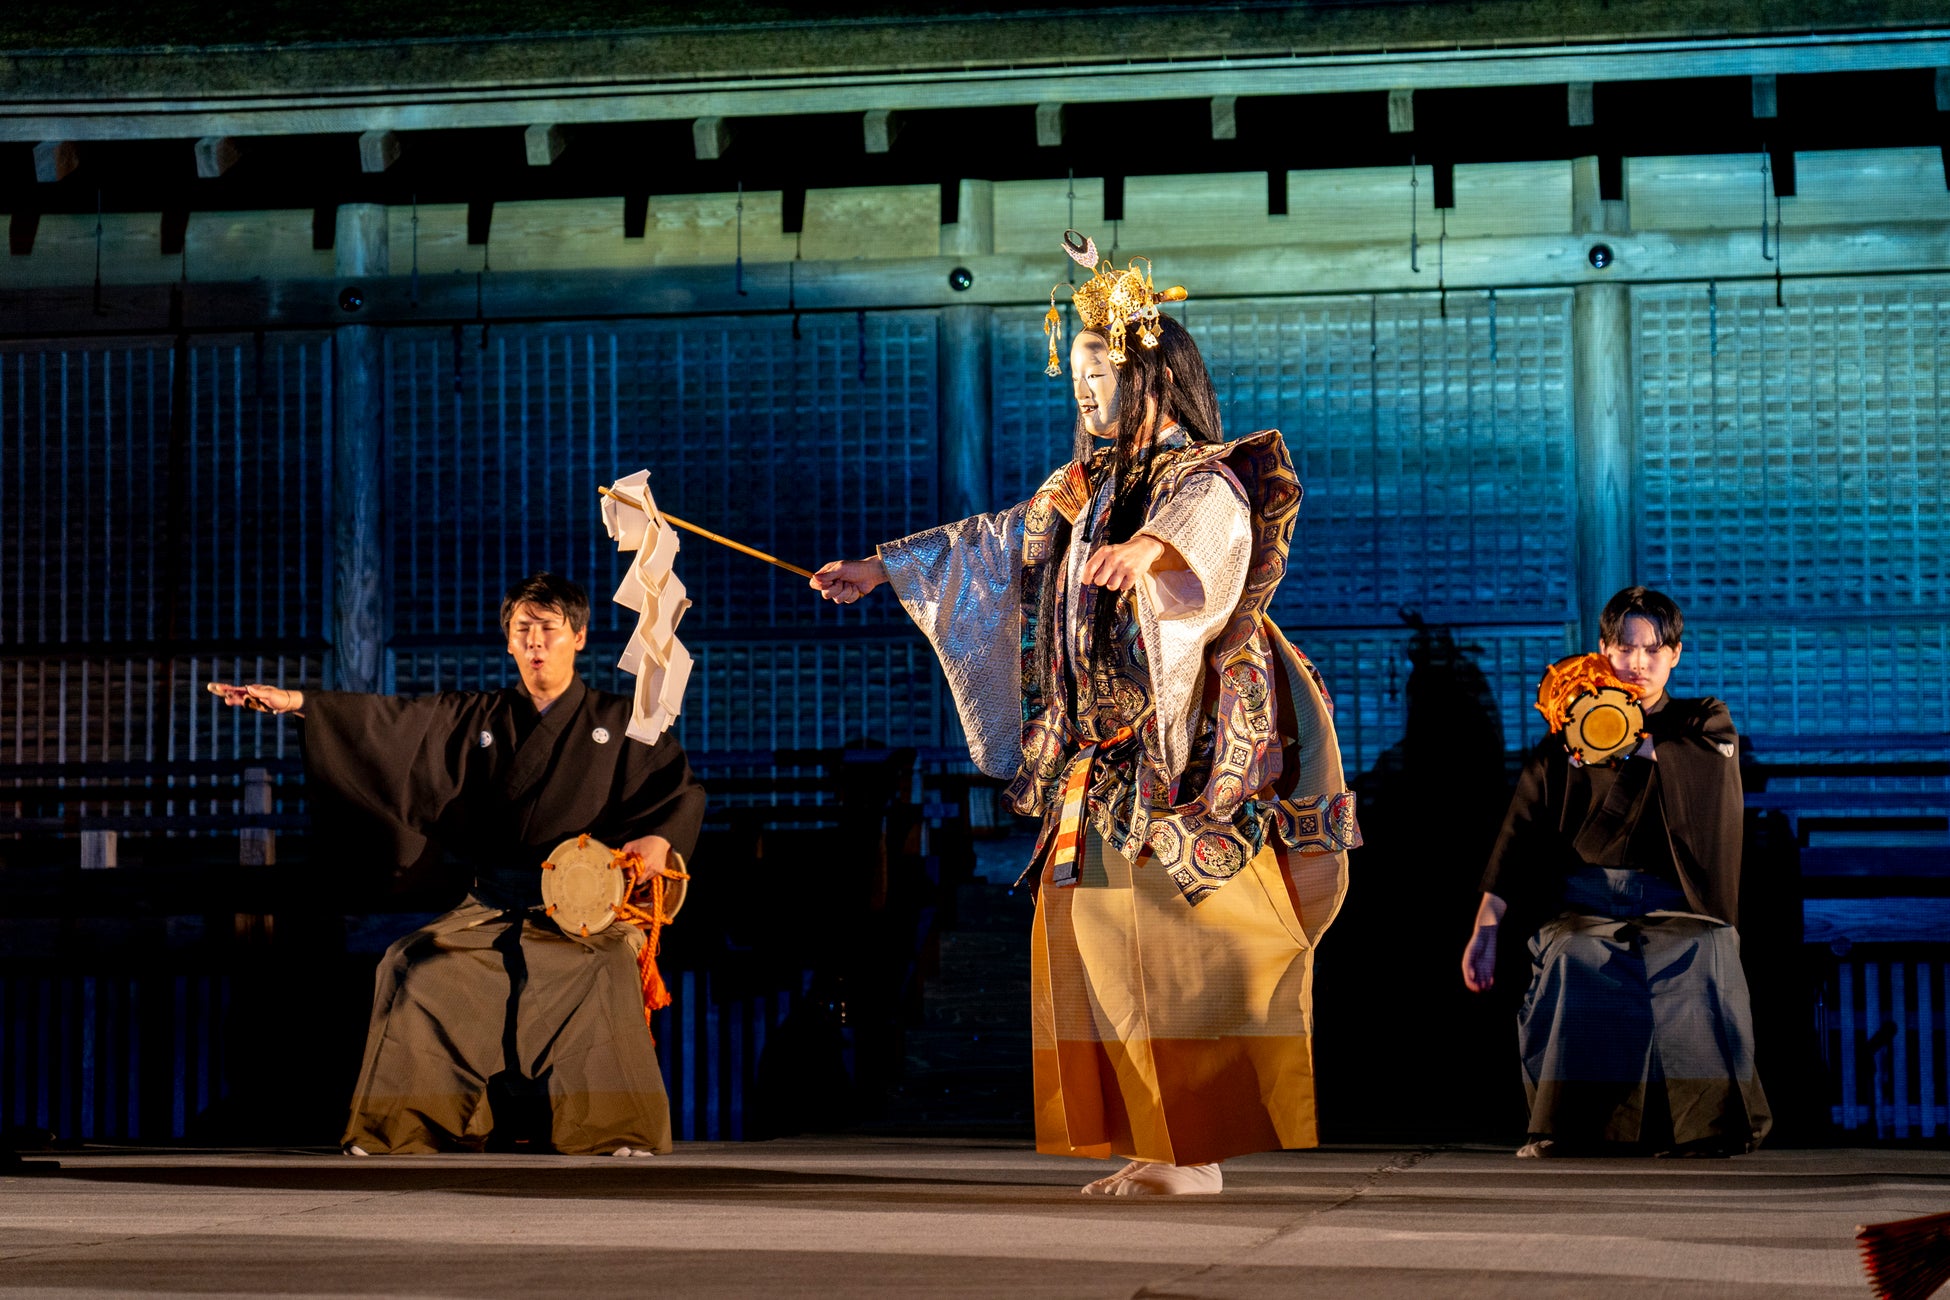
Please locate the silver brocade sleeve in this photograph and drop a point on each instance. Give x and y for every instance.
(1206, 522)
(960, 583)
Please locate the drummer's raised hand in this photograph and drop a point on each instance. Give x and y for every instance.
(258, 696)
(650, 856)
(845, 581)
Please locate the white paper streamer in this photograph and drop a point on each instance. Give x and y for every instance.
(654, 654)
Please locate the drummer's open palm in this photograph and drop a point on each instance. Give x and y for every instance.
(265, 699)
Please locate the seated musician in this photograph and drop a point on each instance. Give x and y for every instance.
(491, 1003)
(1635, 1034)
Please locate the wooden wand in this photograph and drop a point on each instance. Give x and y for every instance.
(705, 532)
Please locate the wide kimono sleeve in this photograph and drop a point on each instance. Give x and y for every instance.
(961, 584)
(1705, 808)
(390, 758)
(657, 794)
(1180, 611)
(1528, 843)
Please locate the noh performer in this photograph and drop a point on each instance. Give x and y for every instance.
(1109, 652)
(1624, 838)
(493, 1017)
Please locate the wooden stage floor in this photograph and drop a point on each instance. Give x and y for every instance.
(878, 1216)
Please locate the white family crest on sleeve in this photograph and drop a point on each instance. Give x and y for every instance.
(1726, 747)
(660, 662)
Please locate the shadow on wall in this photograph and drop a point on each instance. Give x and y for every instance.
(1404, 1053)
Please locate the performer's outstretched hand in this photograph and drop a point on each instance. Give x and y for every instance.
(1118, 567)
(258, 696)
(845, 581)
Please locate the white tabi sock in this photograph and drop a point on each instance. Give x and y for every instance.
(1150, 1179)
(1103, 1186)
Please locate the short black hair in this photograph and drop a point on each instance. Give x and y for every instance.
(547, 591)
(1656, 606)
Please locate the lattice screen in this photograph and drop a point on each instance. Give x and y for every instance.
(1369, 674)
(1795, 487)
(1435, 449)
(92, 580)
(812, 441)
(1436, 454)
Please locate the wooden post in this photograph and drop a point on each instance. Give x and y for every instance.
(710, 137)
(54, 160)
(1604, 416)
(966, 450)
(1225, 117)
(880, 128)
(1049, 125)
(216, 154)
(98, 850)
(1401, 111)
(257, 846)
(359, 409)
(544, 143)
(378, 150)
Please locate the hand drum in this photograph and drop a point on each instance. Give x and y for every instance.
(1599, 715)
(583, 883)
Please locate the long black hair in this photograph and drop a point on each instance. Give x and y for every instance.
(1174, 376)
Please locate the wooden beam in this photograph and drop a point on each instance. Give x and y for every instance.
(711, 137)
(358, 600)
(1591, 212)
(22, 226)
(275, 111)
(973, 229)
(880, 127)
(545, 143)
(215, 155)
(361, 241)
(378, 150)
(54, 160)
(1579, 109)
(1767, 101)
(1049, 125)
(1602, 422)
(1225, 117)
(1016, 280)
(1401, 110)
(1875, 920)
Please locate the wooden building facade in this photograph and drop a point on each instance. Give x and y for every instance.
(301, 366)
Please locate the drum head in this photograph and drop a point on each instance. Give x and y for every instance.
(1603, 724)
(582, 883)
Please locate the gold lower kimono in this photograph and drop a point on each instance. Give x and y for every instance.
(1171, 1033)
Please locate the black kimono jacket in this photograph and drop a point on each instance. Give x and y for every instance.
(1697, 783)
(480, 774)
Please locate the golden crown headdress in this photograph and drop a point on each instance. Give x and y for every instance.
(1109, 302)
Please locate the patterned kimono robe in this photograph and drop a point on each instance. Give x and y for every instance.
(1196, 823)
